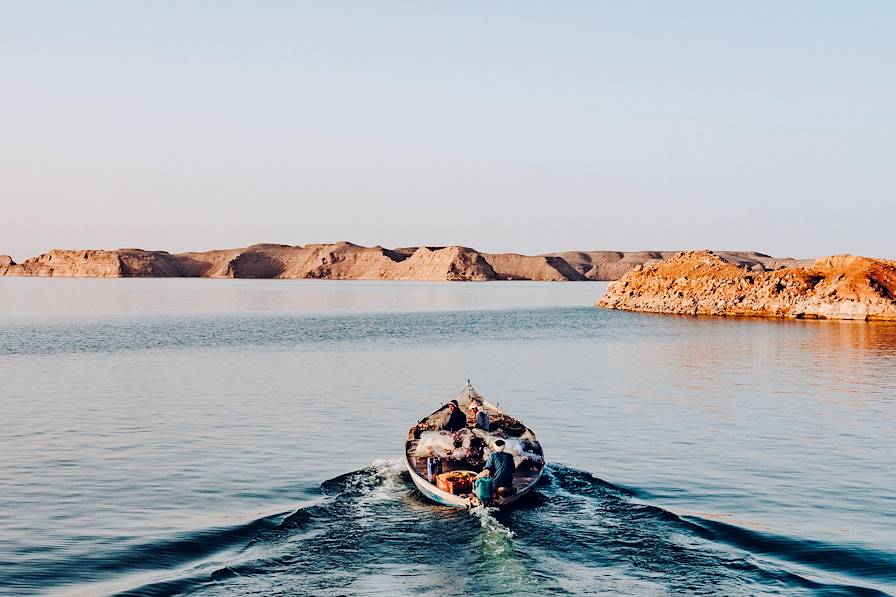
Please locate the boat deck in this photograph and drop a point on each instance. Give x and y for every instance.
(521, 479)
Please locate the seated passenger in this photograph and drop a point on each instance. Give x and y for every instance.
(482, 421)
(500, 467)
(453, 419)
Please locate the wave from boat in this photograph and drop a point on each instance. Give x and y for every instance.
(369, 533)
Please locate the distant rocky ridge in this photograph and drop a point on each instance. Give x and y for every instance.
(705, 283)
(347, 261)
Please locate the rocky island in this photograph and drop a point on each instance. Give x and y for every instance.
(703, 283)
(347, 261)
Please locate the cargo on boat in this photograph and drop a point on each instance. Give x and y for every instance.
(446, 451)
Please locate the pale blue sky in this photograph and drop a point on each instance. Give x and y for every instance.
(521, 126)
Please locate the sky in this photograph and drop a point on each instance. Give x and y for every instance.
(505, 126)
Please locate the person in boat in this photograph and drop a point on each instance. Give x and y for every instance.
(481, 417)
(453, 419)
(483, 488)
(500, 467)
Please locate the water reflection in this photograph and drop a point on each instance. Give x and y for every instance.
(131, 434)
(80, 297)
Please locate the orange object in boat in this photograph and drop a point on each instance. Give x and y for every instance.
(456, 482)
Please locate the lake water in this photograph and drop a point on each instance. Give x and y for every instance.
(219, 437)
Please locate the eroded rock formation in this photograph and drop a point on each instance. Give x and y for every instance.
(703, 283)
(347, 261)
(5, 263)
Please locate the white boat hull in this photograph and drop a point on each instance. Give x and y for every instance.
(434, 493)
(455, 501)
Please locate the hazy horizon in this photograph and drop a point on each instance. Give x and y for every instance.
(520, 127)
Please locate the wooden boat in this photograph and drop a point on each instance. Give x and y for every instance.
(529, 455)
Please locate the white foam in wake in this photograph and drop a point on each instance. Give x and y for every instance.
(490, 523)
(380, 481)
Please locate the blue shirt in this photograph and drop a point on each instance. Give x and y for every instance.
(501, 466)
(484, 488)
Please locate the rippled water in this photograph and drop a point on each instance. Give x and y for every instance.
(243, 437)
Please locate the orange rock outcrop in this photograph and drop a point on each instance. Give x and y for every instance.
(702, 283)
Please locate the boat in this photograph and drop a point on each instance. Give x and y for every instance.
(520, 441)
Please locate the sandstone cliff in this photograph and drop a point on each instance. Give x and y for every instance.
(97, 264)
(5, 263)
(702, 283)
(512, 266)
(347, 261)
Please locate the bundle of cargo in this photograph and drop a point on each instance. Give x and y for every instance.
(510, 426)
(456, 482)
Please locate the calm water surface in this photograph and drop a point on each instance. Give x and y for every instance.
(218, 437)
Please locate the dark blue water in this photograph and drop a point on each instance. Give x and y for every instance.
(243, 437)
